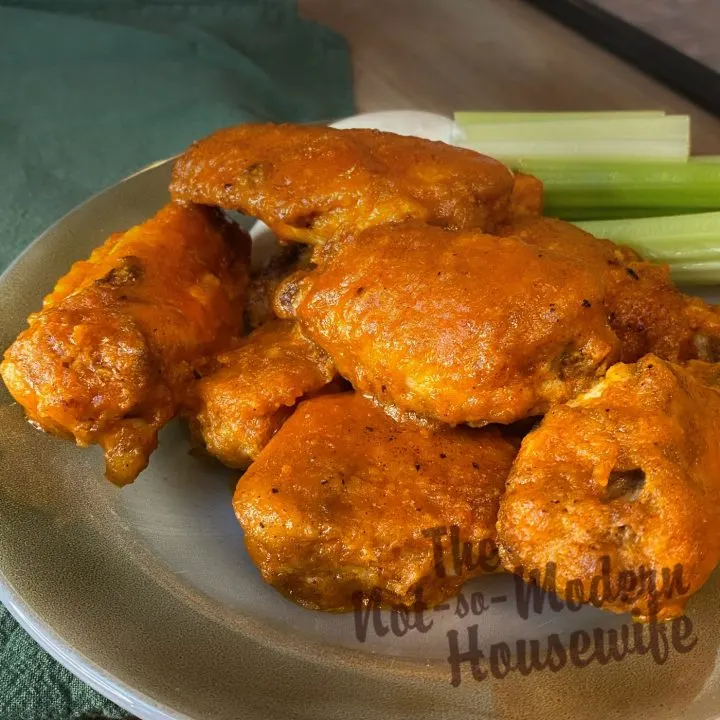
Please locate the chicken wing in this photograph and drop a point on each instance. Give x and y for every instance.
(344, 500)
(646, 311)
(458, 327)
(621, 483)
(311, 183)
(110, 356)
(239, 405)
(526, 200)
(264, 283)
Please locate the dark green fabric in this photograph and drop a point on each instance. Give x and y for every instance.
(34, 686)
(84, 102)
(91, 90)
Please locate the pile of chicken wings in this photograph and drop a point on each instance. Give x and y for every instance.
(426, 351)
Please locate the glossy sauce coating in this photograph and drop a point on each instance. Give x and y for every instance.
(264, 282)
(629, 470)
(457, 327)
(110, 356)
(250, 392)
(338, 501)
(645, 309)
(527, 198)
(312, 183)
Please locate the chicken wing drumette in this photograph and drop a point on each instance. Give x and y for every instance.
(621, 482)
(109, 358)
(345, 500)
(645, 309)
(250, 391)
(458, 327)
(313, 184)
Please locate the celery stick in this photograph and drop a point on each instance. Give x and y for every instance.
(661, 128)
(705, 158)
(690, 244)
(652, 138)
(702, 273)
(679, 240)
(574, 214)
(473, 118)
(583, 186)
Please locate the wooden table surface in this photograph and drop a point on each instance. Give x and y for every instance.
(445, 55)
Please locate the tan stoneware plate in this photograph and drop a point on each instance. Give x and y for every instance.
(147, 594)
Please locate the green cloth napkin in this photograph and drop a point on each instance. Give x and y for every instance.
(92, 90)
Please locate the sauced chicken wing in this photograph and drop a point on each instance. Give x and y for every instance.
(707, 373)
(109, 357)
(245, 399)
(646, 311)
(264, 283)
(627, 472)
(339, 500)
(526, 200)
(458, 327)
(312, 183)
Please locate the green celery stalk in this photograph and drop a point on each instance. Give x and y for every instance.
(677, 240)
(655, 138)
(475, 117)
(690, 244)
(574, 214)
(702, 273)
(586, 186)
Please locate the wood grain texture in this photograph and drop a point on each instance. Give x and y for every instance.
(488, 55)
(691, 26)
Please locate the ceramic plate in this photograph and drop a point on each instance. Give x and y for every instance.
(147, 594)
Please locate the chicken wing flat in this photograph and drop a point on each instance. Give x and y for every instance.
(621, 482)
(311, 184)
(110, 356)
(645, 309)
(241, 404)
(458, 327)
(343, 499)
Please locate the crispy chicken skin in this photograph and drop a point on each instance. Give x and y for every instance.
(264, 282)
(458, 327)
(704, 372)
(312, 184)
(338, 501)
(252, 390)
(626, 471)
(110, 356)
(646, 311)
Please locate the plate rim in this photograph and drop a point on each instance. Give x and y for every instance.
(99, 679)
